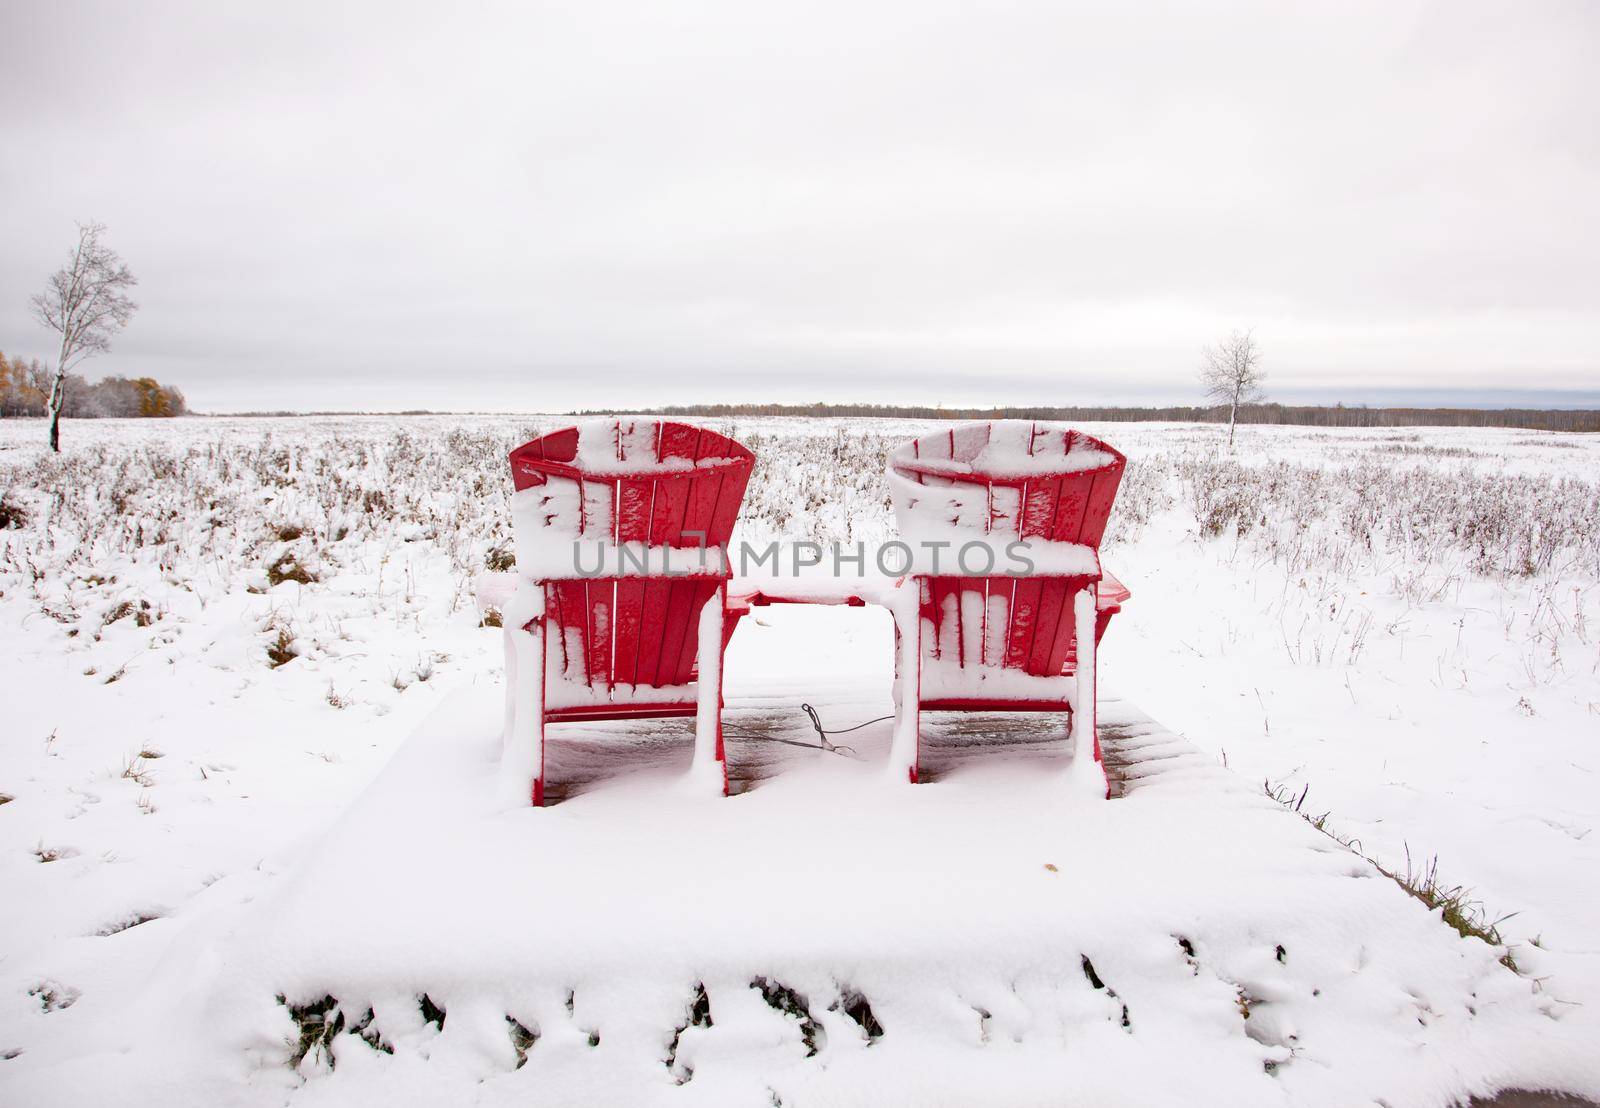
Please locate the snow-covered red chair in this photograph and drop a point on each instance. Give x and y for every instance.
(621, 530)
(1011, 612)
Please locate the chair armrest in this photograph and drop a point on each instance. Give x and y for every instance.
(1113, 593)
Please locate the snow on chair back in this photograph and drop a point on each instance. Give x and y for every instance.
(1036, 480)
(644, 481)
(991, 484)
(603, 512)
(625, 524)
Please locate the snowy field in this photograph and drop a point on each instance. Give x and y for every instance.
(250, 716)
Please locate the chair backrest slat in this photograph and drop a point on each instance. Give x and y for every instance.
(635, 501)
(1047, 619)
(652, 621)
(666, 521)
(1097, 510)
(1041, 497)
(630, 618)
(696, 593)
(674, 629)
(600, 601)
(570, 612)
(700, 516)
(1024, 622)
(1072, 502)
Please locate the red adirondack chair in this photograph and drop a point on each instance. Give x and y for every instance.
(621, 532)
(992, 636)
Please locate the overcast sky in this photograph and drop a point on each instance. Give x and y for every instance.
(546, 206)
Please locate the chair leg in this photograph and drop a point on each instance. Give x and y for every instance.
(722, 653)
(522, 738)
(1085, 732)
(537, 792)
(906, 750)
(710, 755)
(914, 774)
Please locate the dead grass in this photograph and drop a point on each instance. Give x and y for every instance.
(321, 1021)
(139, 612)
(1454, 904)
(121, 925)
(13, 516)
(134, 769)
(281, 651)
(288, 568)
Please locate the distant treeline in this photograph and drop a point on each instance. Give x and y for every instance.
(25, 391)
(1303, 416)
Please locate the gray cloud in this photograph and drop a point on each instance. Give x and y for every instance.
(566, 205)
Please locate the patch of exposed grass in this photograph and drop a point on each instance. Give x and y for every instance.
(281, 651)
(54, 996)
(1097, 983)
(855, 1006)
(13, 516)
(782, 998)
(523, 1038)
(364, 1030)
(140, 613)
(126, 923)
(288, 568)
(134, 769)
(431, 1012)
(699, 1015)
(318, 1023)
(1454, 904)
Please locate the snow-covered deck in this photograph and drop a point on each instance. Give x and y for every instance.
(977, 940)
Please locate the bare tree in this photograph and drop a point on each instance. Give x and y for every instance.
(86, 304)
(1232, 374)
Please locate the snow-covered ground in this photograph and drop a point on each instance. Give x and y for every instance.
(217, 632)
